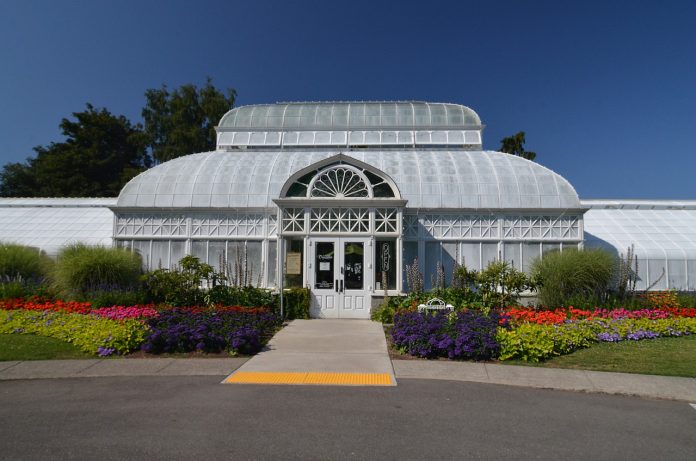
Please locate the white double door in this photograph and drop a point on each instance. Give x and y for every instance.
(340, 277)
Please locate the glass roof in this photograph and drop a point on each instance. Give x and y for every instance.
(349, 115)
(426, 178)
(51, 223)
(663, 239)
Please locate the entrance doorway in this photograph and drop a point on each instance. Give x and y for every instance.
(340, 277)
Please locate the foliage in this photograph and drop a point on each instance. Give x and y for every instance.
(182, 121)
(22, 262)
(125, 297)
(209, 330)
(514, 145)
(563, 276)
(414, 277)
(457, 335)
(81, 270)
(32, 347)
(296, 303)
(100, 153)
(384, 313)
(661, 356)
(91, 334)
(500, 284)
(239, 296)
(179, 286)
(535, 342)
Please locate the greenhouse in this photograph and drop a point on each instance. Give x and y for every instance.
(341, 197)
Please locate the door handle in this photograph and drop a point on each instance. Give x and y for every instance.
(336, 286)
(341, 286)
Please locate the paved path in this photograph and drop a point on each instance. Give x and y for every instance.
(41, 369)
(348, 352)
(662, 387)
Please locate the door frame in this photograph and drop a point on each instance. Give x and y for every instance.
(335, 302)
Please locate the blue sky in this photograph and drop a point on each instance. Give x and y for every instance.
(606, 91)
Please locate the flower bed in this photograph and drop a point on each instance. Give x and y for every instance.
(91, 334)
(461, 335)
(561, 315)
(530, 335)
(122, 329)
(535, 342)
(236, 330)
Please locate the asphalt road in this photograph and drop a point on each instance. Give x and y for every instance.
(133, 418)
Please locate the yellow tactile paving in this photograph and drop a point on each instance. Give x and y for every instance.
(317, 378)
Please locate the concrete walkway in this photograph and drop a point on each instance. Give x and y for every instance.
(322, 352)
(43, 369)
(661, 387)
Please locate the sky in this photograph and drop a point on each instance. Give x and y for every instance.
(605, 90)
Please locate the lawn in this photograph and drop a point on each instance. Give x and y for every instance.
(31, 347)
(662, 356)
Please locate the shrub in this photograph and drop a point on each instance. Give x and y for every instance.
(500, 284)
(179, 286)
(564, 276)
(22, 262)
(91, 334)
(81, 270)
(296, 303)
(239, 296)
(384, 313)
(207, 330)
(460, 335)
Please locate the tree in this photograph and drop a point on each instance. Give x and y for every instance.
(100, 154)
(515, 145)
(182, 121)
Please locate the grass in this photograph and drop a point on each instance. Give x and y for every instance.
(662, 356)
(31, 347)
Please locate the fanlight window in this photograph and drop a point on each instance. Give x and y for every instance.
(340, 180)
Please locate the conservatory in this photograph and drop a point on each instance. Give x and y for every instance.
(341, 197)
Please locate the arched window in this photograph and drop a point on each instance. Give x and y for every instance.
(340, 180)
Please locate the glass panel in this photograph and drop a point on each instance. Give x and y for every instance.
(216, 254)
(353, 265)
(142, 247)
(385, 264)
(432, 260)
(272, 262)
(677, 274)
(546, 247)
(324, 266)
(489, 253)
(530, 253)
(178, 250)
(471, 255)
(294, 263)
(657, 271)
(254, 263)
(449, 255)
(512, 254)
(410, 255)
(199, 249)
(160, 255)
